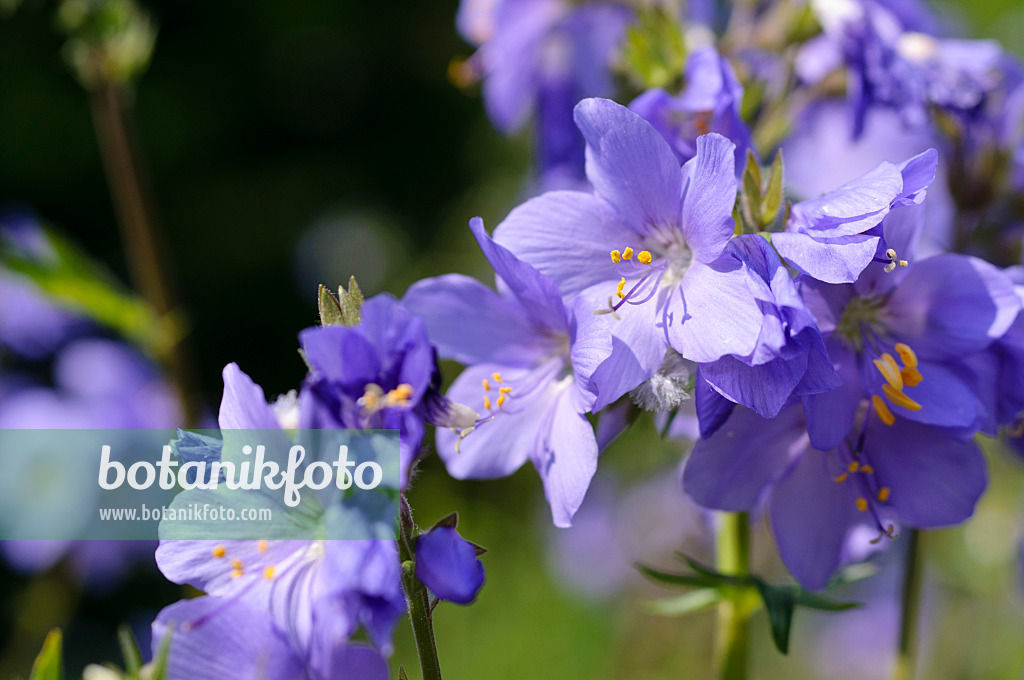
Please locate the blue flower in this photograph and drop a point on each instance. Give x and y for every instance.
(447, 564)
(380, 374)
(214, 639)
(710, 102)
(531, 363)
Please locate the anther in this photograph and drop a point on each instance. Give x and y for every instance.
(262, 546)
(867, 469)
(501, 401)
(220, 551)
(900, 399)
(505, 390)
(487, 403)
(487, 385)
(890, 370)
(643, 257)
(911, 376)
(268, 572)
(862, 504)
(907, 355)
(616, 256)
(853, 466)
(237, 564)
(627, 254)
(884, 414)
(496, 376)
(237, 573)
(841, 478)
(883, 494)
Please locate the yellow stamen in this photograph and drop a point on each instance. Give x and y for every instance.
(496, 376)
(867, 469)
(237, 564)
(884, 414)
(900, 399)
(853, 467)
(616, 256)
(369, 400)
(262, 546)
(841, 478)
(220, 551)
(401, 394)
(862, 504)
(890, 370)
(907, 355)
(644, 257)
(237, 573)
(627, 254)
(911, 376)
(268, 572)
(505, 390)
(487, 385)
(487, 403)
(618, 291)
(883, 494)
(501, 401)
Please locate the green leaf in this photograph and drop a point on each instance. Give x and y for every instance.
(700, 580)
(130, 651)
(780, 602)
(330, 309)
(815, 601)
(688, 603)
(771, 201)
(76, 282)
(698, 567)
(48, 665)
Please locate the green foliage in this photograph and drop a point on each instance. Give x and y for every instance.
(780, 601)
(48, 665)
(73, 280)
(654, 50)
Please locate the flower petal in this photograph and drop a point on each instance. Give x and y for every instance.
(447, 564)
(567, 236)
(709, 197)
(717, 315)
(630, 164)
(565, 456)
(838, 260)
(470, 323)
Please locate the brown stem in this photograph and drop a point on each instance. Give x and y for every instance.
(141, 237)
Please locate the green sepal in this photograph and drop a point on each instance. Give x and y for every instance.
(159, 666)
(48, 665)
(780, 603)
(330, 308)
(402, 675)
(130, 651)
(449, 520)
(771, 199)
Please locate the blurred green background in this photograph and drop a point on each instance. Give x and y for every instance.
(298, 142)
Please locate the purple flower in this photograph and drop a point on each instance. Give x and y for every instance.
(380, 374)
(543, 56)
(447, 564)
(789, 358)
(317, 592)
(895, 65)
(710, 102)
(213, 639)
(646, 245)
(892, 443)
(834, 237)
(531, 362)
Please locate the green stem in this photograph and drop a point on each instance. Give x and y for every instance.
(419, 600)
(909, 609)
(733, 558)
